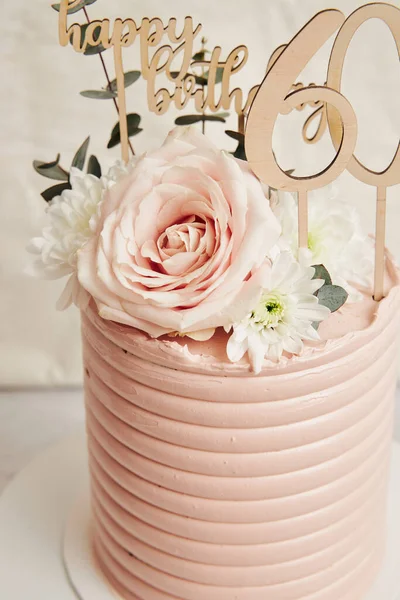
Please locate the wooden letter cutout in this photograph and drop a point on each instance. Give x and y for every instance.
(274, 97)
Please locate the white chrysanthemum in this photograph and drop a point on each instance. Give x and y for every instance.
(283, 317)
(72, 222)
(335, 238)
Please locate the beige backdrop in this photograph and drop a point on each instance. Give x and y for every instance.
(42, 113)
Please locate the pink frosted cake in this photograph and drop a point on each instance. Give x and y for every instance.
(211, 483)
(239, 391)
(239, 329)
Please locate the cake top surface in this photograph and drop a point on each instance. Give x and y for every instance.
(343, 332)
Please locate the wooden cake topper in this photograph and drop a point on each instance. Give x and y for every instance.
(150, 34)
(276, 96)
(279, 93)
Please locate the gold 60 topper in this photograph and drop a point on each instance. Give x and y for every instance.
(279, 93)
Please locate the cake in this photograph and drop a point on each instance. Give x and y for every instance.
(239, 335)
(212, 483)
(239, 400)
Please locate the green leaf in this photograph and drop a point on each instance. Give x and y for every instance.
(90, 49)
(54, 191)
(332, 296)
(80, 157)
(220, 117)
(236, 135)
(76, 8)
(201, 79)
(219, 74)
(322, 273)
(191, 119)
(133, 120)
(98, 94)
(94, 167)
(199, 55)
(188, 119)
(240, 152)
(130, 78)
(133, 123)
(51, 170)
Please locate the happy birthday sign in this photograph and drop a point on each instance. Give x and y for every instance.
(278, 94)
(150, 34)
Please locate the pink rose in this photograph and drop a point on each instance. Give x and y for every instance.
(181, 241)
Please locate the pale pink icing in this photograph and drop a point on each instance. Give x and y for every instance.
(211, 483)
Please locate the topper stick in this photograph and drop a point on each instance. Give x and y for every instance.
(380, 243)
(303, 218)
(123, 123)
(241, 123)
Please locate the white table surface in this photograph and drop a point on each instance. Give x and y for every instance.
(30, 421)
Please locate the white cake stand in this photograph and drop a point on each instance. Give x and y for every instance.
(45, 552)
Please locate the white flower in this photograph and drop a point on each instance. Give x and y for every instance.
(283, 317)
(335, 238)
(73, 218)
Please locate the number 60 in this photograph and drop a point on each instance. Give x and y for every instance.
(273, 98)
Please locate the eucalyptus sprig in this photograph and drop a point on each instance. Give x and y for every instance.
(329, 295)
(53, 170)
(202, 82)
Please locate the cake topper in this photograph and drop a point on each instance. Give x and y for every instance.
(275, 96)
(279, 93)
(150, 34)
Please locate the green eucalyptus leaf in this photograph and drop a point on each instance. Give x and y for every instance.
(219, 74)
(133, 120)
(240, 152)
(188, 119)
(201, 79)
(322, 273)
(191, 119)
(94, 167)
(220, 117)
(130, 78)
(199, 55)
(51, 170)
(236, 135)
(332, 296)
(54, 191)
(133, 123)
(98, 94)
(116, 139)
(290, 171)
(80, 156)
(76, 8)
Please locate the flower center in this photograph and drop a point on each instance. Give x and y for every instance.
(315, 241)
(269, 311)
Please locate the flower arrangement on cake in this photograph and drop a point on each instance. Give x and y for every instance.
(183, 240)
